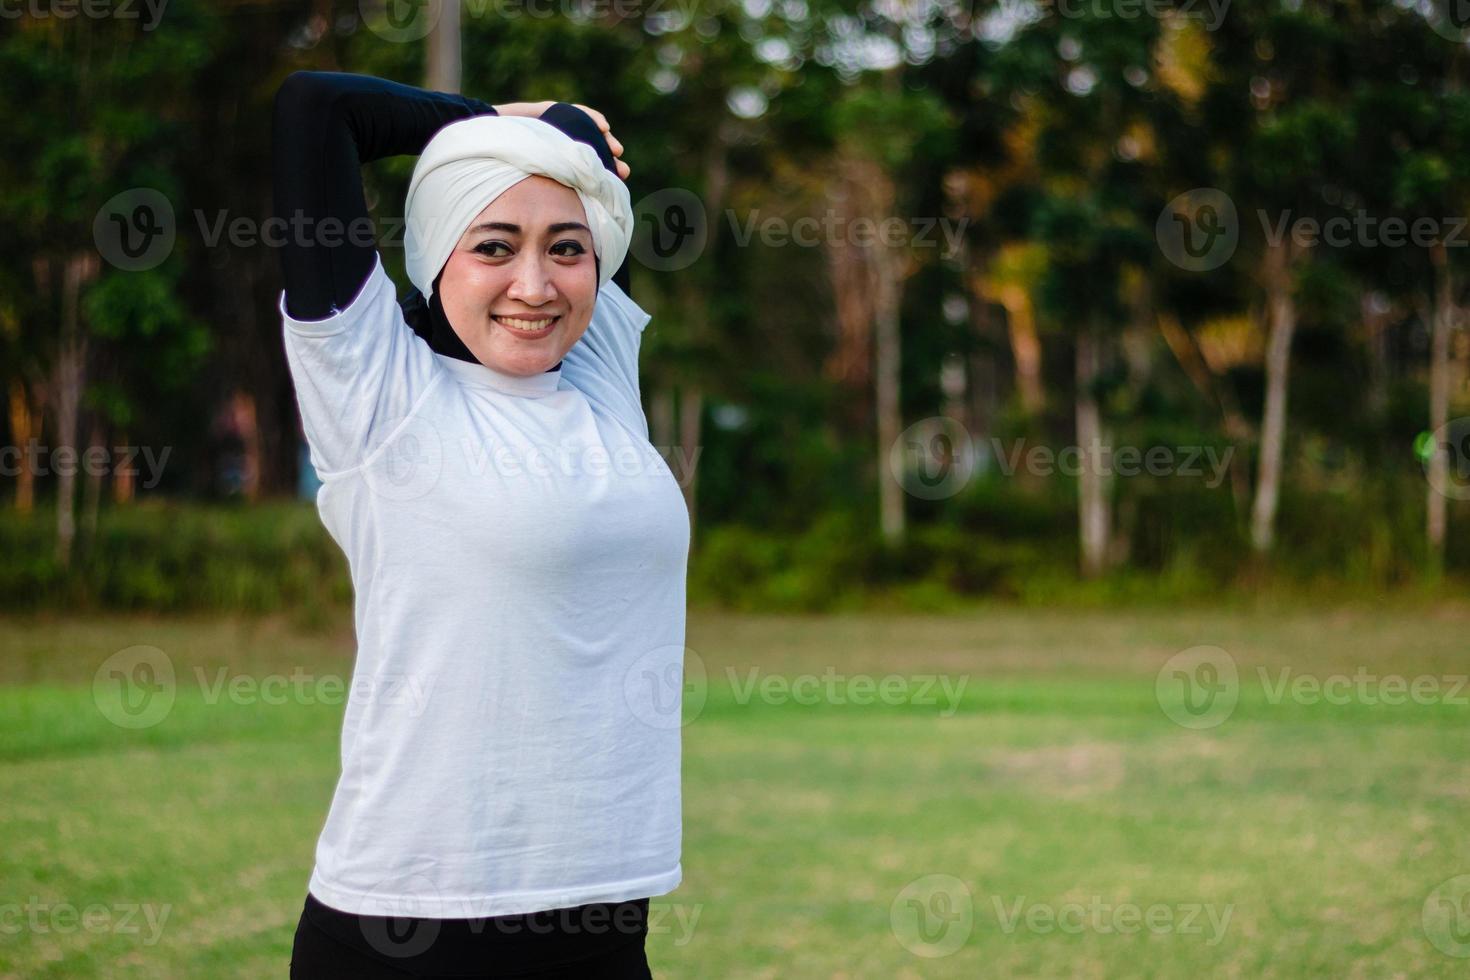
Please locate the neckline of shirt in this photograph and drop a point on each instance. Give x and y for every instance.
(476, 373)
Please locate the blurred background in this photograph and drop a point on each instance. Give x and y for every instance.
(1095, 368)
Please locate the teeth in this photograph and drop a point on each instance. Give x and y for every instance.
(516, 323)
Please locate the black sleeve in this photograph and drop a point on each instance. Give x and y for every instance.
(325, 126)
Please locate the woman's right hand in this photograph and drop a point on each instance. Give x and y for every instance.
(535, 109)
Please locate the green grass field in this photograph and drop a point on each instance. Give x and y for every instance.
(1077, 829)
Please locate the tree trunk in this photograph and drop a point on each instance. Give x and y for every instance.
(1217, 389)
(1025, 347)
(1374, 312)
(92, 489)
(886, 370)
(1445, 315)
(23, 429)
(954, 384)
(442, 72)
(123, 478)
(67, 385)
(852, 286)
(1281, 317)
(1094, 531)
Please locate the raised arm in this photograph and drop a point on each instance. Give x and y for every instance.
(325, 126)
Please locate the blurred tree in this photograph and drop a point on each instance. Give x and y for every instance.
(1082, 77)
(1279, 126)
(883, 128)
(116, 82)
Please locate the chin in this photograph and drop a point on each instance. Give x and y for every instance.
(522, 363)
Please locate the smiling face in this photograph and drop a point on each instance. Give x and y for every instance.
(520, 285)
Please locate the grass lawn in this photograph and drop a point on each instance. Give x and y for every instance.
(1042, 815)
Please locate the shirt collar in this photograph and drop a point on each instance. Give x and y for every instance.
(475, 373)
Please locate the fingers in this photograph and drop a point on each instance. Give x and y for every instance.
(623, 169)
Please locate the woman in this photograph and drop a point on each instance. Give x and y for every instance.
(509, 795)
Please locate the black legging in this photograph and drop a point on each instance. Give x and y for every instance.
(590, 942)
(326, 125)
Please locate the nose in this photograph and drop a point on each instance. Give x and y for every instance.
(530, 280)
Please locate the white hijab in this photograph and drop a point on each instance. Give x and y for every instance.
(470, 163)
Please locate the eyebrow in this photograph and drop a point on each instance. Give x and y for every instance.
(516, 229)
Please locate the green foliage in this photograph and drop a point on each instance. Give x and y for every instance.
(998, 540)
(1058, 144)
(893, 127)
(176, 557)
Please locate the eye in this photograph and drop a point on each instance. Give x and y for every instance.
(575, 248)
(484, 248)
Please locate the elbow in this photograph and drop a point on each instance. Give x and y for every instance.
(305, 98)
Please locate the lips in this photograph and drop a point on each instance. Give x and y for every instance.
(527, 327)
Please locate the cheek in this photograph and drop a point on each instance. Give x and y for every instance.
(579, 286)
(467, 284)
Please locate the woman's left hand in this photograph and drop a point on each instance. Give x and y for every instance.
(535, 109)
